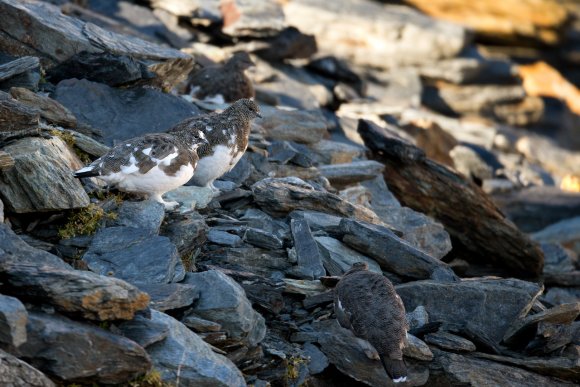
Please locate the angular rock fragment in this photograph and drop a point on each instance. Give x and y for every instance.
(223, 301)
(338, 258)
(144, 331)
(187, 232)
(341, 175)
(16, 373)
(251, 18)
(16, 117)
(565, 232)
(450, 342)
(224, 238)
(417, 349)
(391, 252)
(19, 72)
(170, 296)
(261, 238)
(61, 348)
(334, 152)
(50, 110)
(41, 179)
(13, 317)
(290, 43)
(146, 215)
(307, 253)
(301, 126)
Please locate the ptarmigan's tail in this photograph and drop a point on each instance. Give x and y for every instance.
(396, 369)
(88, 171)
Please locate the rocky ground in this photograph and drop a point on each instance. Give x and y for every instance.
(443, 155)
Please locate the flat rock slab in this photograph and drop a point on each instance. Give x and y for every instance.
(309, 259)
(62, 348)
(42, 177)
(170, 296)
(42, 29)
(417, 349)
(450, 342)
(134, 255)
(146, 215)
(224, 301)
(301, 126)
(13, 317)
(565, 232)
(16, 373)
(16, 117)
(144, 331)
(282, 195)
(39, 277)
(224, 238)
(50, 110)
(338, 257)
(188, 232)
(467, 213)
(261, 238)
(486, 307)
(185, 356)
(341, 175)
(391, 252)
(121, 114)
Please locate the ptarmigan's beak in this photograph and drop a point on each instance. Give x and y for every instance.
(258, 115)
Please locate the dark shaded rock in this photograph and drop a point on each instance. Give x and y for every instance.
(170, 296)
(317, 360)
(16, 373)
(16, 117)
(558, 295)
(107, 68)
(121, 114)
(19, 72)
(144, 331)
(307, 253)
(485, 306)
(40, 277)
(403, 259)
(301, 126)
(450, 342)
(282, 195)
(261, 238)
(550, 337)
(252, 259)
(341, 175)
(50, 110)
(284, 152)
(200, 325)
(13, 317)
(453, 369)
(334, 68)
(338, 258)
(185, 356)
(470, 216)
(187, 232)
(417, 349)
(335, 152)
(146, 215)
(318, 220)
(60, 347)
(223, 238)
(290, 43)
(135, 255)
(223, 301)
(565, 232)
(42, 28)
(42, 178)
(556, 258)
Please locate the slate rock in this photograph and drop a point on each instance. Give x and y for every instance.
(403, 259)
(335, 152)
(484, 306)
(146, 215)
(187, 232)
(170, 296)
(190, 198)
(261, 238)
(121, 114)
(41, 179)
(16, 373)
(301, 126)
(143, 330)
(61, 347)
(185, 356)
(339, 258)
(318, 221)
(223, 238)
(560, 295)
(317, 360)
(19, 72)
(50, 110)
(341, 175)
(416, 348)
(134, 255)
(200, 325)
(565, 232)
(309, 259)
(450, 342)
(17, 117)
(223, 301)
(252, 18)
(13, 317)
(290, 43)
(557, 259)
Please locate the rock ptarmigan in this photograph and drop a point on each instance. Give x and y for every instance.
(226, 136)
(367, 304)
(224, 83)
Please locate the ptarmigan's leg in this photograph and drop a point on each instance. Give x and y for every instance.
(168, 205)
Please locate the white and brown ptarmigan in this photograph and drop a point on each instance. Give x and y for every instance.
(224, 83)
(226, 136)
(367, 304)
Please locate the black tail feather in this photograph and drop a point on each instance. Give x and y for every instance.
(396, 369)
(78, 175)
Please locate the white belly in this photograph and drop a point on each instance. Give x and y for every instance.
(212, 167)
(155, 181)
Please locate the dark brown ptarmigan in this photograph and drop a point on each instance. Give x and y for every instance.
(157, 163)
(224, 83)
(367, 304)
(226, 139)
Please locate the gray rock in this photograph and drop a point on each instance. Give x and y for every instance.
(556, 258)
(309, 259)
(301, 126)
(170, 296)
(338, 258)
(200, 325)
(290, 43)
(39, 277)
(41, 179)
(186, 232)
(134, 255)
(341, 175)
(252, 18)
(403, 259)
(485, 307)
(416, 348)
(266, 263)
(50, 110)
(261, 238)
(223, 238)
(557, 296)
(470, 164)
(16, 373)
(334, 152)
(318, 220)
(565, 232)
(376, 35)
(317, 360)
(19, 72)
(144, 331)
(146, 215)
(1, 212)
(185, 357)
(418, 317)
(121, 114)
(450, 342)
(190, 198)
(59, 347)
(13, 317)
(42, 28)
(17, 117)
(223, 301)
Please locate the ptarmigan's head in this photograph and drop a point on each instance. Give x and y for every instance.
(246, 108)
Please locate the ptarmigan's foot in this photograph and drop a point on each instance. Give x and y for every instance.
(169, 206)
